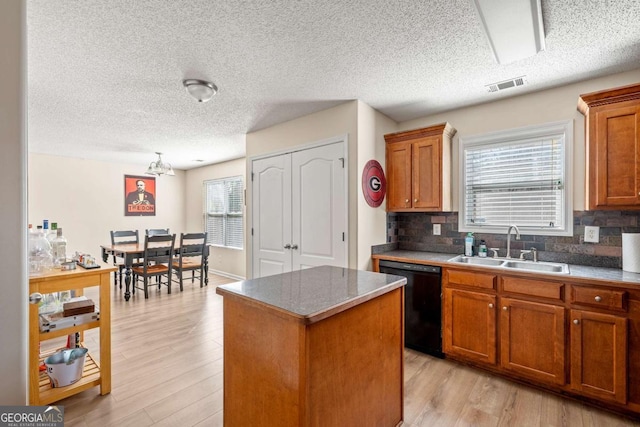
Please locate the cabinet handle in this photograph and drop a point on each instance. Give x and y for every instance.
(598, 298)
(505, 308)
(294, 247)
(490, 305)
(415, 200)
(287, 246)
(576, 322)
(406, 200)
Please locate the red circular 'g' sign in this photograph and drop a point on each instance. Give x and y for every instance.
(374, 185)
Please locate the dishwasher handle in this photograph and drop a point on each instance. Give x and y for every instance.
(410, 267)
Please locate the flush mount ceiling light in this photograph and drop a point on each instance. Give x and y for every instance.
(200, 89)
(160, 168)
(514, 27)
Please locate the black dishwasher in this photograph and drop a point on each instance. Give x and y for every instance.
(422, 305)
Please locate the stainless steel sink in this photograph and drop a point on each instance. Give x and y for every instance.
(545, 267)
(477, 260)
(511, 264)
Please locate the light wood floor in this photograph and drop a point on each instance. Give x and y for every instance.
(167, 371)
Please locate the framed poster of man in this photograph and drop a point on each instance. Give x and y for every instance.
(140, 197)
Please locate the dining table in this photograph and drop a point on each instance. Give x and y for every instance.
(134, 252)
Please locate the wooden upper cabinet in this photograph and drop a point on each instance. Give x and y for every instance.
(399, 176)
(419, 169)
(612, 132)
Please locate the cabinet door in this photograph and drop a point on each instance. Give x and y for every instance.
(399, 176)
(300, 211)
(617, 158)
(319, 205)
(599, 355)
(427, 173)
(271, 215)
(470, 325)
(532, 340)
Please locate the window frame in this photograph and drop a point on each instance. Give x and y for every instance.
(522, 134)
(205, 214)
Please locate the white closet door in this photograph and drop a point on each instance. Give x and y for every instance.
(319, 206)
(271, 215)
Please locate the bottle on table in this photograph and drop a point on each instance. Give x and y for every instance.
(59, 248)
(40, 256)
(52, 233)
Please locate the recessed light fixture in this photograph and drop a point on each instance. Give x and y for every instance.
(201, 90)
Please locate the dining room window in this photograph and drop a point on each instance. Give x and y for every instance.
(519, 176)
(223, 212)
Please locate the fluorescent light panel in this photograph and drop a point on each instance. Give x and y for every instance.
(514, 27)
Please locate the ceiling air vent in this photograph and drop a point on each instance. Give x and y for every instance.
(495, 87)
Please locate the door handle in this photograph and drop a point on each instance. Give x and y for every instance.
(35, 298)
(294, 246)
(287, 246)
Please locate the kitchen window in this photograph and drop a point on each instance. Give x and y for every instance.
(519, 176)
(223, 212)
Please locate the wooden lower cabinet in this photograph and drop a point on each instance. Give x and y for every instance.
(281, 369)
(599, 355)
(469, 325)
(532, 340)
(579, 340)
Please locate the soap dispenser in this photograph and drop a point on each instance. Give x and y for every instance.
(482, 249)
(468, 245)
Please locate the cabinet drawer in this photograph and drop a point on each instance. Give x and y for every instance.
(534, 288)
(611, 299)
(467, 278)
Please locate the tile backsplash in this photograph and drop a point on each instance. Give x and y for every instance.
(414, 231)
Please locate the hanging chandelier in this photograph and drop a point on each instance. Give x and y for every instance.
(160, 168)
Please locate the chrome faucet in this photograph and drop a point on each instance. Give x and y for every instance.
(511, 227)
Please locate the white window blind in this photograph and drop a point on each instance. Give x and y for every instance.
(517, 178)
(223, 203)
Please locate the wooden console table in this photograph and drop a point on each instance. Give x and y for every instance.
(95, 373)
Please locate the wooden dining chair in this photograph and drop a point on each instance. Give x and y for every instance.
(190, 257)
(158, 256)
(156, 231)
(122, 237)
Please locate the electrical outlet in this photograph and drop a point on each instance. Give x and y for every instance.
(436, 229)
(591, 234)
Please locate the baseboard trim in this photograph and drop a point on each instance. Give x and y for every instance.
(225, 274)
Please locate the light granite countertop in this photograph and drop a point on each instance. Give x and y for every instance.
(315, 293)
(606, 275)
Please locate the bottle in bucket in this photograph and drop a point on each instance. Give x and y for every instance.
(73, 340)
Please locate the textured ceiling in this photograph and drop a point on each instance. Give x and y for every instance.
(105, 76)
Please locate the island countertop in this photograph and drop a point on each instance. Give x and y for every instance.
(313, 294)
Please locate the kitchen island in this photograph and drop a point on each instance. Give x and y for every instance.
(315, 347)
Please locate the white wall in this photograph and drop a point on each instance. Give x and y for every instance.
(372, 222)
(86, 199)
(536, 108)
(332, 122)
(13, 187)
(230, 262)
